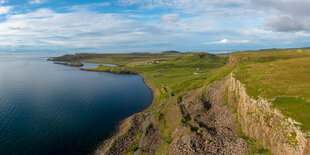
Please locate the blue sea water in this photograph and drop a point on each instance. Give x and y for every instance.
(55, 109)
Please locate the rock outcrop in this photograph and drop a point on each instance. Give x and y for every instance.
(220, 118)
(124, 138)
(260, 121)
(211, 123)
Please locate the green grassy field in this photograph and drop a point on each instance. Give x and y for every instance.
(177, 71)
(280, 76)
(120, 59)
(115, 69)
(185, 72)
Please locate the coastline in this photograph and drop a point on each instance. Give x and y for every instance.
(144, 78)
(120, 129)
(206, 110)
(128, 123)
(109, 71)
(153, 90)
(73, 64)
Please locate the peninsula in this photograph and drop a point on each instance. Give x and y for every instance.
(253, 102)
(74, 64)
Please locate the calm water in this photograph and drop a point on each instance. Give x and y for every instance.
(54, 109)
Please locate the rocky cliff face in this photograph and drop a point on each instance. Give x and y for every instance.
(217, 119)
(124, 138)
(260, 121)
(217, 132)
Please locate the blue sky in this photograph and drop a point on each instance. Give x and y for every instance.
(152, 25)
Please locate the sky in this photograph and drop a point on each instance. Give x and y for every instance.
(153, 25)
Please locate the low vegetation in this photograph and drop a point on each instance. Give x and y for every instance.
(120, 59)
(281, 76)
(177, 71)
(75, 64)
(116, 69)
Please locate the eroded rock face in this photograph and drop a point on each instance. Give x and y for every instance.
(124, 138)
(153, 139)
(213, 117)
(259, 121)
(217, 131)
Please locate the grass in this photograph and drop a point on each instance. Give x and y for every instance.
(168, 119)
(132, 149)
(178, 72)
(120, 59)
(296, 108)
(188, 68)
(280, 75)
(116, 69)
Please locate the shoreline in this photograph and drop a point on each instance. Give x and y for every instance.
(108, 71)
(73, 64)
(130, 126)
(153, 90)
(122, 125)
(145, 81)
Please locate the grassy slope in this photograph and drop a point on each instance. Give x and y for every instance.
(121, 59)
(174, 70)
(269, 74)
(177, 73)
(280, 76)
(116, 69)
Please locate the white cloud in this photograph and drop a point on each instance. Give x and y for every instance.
(294, 11)
(46, 28)
(239, 41)
(226, 41)
(37, 1)
(188, 6)
(5, 9)
(170, 17)
(3, 1)
(201, 22)
(88, 6)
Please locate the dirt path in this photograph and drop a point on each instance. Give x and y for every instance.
(147, 120)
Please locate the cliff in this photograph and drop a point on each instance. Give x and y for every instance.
(125, 139)
(260, 121)
(220, 118)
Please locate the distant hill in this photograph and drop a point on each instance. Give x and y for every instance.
(170, 52)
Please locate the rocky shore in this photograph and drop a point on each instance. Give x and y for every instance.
(217, 126)
(109, 71)
(124, 138)
(216, 133)
(74, 64)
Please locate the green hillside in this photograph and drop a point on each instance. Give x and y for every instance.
(179, 72)
(280, 76)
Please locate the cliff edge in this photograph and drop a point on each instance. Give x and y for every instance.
(260, 121)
